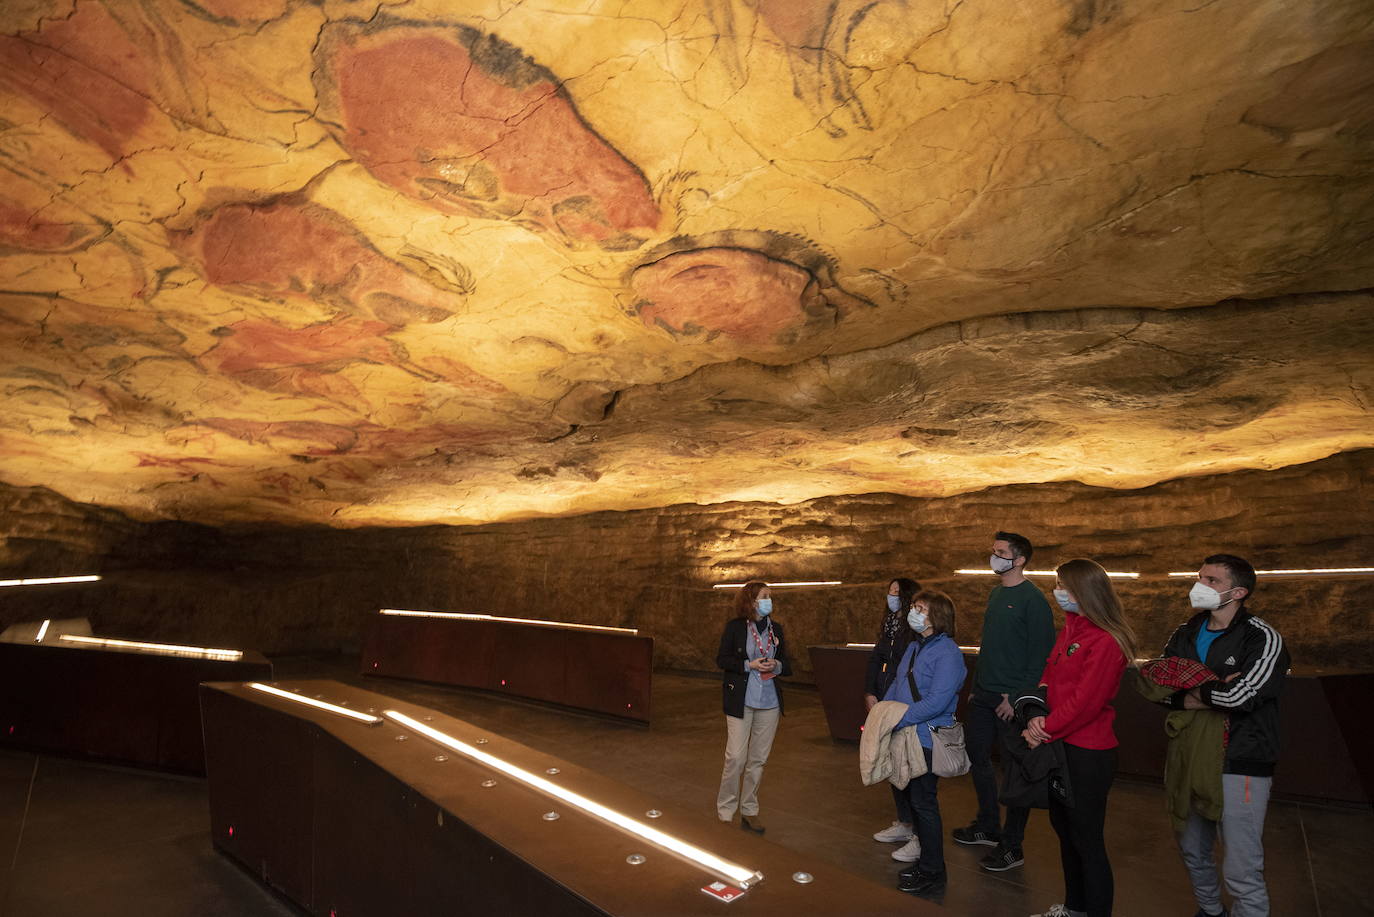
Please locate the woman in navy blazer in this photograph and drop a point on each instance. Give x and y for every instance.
(752, 654)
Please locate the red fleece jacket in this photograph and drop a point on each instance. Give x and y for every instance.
(1081, 677)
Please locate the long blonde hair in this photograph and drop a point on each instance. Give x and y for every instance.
(1098, 602)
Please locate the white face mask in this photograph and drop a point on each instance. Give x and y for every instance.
(1066, 601)
(1206, 598)
(917, 619)
(1001, 565)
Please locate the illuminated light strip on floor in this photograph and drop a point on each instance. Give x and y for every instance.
(48, 580)
(166, 648)
(740, 875)
(1112, 574)
(461, 616)
(1317, 571)
(43, 631)
(317, 704)
(828, 582)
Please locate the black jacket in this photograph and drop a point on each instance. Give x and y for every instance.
(733, 658)
(883, 659)
(1255, 649)
(1031, 777)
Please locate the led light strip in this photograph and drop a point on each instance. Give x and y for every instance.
(460, 616)
(740, 875)
(43, 631)
(48, 580)
(1112, 574)
(867, 646)
(1318, 571)
(167, 648)
(828, 582)
(317, 704)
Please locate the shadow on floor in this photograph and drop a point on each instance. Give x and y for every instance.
(84, 838)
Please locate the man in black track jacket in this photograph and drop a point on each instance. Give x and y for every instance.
(1249, 656)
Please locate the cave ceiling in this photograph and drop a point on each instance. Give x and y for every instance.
(464, 261)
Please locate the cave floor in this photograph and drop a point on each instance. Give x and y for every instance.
(86, 838)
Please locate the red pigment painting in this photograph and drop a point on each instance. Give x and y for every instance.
(466, 123)
(742, 294)
(293, 249)
(85, 72)
(306, 361)
(52, 228)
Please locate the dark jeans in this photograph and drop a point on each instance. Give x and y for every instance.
(903, 805)
(925, 810)
(982, 730)
(1088, 882)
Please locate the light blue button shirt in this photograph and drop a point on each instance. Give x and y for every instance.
(760, 694)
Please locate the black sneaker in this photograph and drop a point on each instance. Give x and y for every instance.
(922, 883)
(1002, 858)
(1202, 913)
(974, 835)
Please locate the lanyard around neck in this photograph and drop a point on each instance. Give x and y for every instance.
(765, 650)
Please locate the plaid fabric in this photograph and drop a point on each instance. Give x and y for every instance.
(1180, 673)
(1177, 672)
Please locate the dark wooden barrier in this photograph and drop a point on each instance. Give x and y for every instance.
(342, 818)
(123, 705)
(601, 671)
(1329, 752)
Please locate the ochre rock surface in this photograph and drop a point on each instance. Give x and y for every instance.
(440, 262)
(293, 589)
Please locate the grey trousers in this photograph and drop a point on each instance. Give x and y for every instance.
(1244, 801)
(748, 740)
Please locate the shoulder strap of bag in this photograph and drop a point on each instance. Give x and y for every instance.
(910, 678)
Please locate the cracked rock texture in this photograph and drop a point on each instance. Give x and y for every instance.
(292, 589)
(439, 262)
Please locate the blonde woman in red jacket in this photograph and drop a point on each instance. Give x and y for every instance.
(1081, 678)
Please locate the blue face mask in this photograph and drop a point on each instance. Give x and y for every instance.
(1066, 601)
(894, 603)
(764, 607)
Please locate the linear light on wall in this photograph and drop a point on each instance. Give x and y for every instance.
(1316, 571)
(740, 875)
(42, 630)
(169, 649)
(829, 582)
(460, 616)
(1111, 573)
(317, 704)
(867, 646)
(48, 580)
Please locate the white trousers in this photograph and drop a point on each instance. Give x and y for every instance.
(747, 743)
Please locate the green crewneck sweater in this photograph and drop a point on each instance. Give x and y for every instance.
(1018, 634)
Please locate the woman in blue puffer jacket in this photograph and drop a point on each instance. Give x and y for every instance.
(928, 680)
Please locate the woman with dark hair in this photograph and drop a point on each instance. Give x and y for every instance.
(752, 654)
(893, 637)
(928, 678)
(1081, 678)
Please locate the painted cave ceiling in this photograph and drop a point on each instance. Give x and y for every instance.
(473, 260)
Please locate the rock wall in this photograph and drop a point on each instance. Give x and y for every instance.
(292, 589)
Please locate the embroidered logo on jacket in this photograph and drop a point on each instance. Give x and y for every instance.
(1073, 648)
(1230, 660)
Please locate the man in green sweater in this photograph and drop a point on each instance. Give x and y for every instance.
(1018, 634)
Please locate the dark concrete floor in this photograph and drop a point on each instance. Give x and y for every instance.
(83, 838)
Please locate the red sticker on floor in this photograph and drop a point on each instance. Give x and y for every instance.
(722, 891)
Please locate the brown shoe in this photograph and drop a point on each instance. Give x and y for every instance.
(751, 823)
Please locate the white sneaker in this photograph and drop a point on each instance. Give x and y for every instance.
(909, 852)
(897, 834)
(1056, 910)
